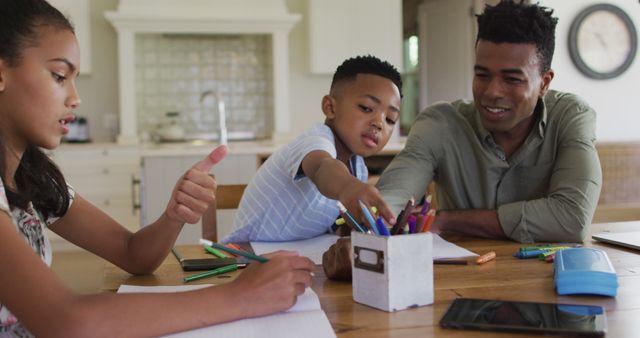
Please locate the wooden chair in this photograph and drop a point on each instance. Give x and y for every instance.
(227, 197)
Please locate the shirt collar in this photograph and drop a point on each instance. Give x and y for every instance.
(540, 110)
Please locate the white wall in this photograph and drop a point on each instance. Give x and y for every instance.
(306, 89)
(615, 100)
(99, 89)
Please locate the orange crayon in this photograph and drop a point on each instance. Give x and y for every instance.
(486, 257)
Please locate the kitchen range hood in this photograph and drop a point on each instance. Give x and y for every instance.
(269, 17)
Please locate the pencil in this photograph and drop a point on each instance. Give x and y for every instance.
(369, 217)
(407, 211)
(428, 220)
(214, 272)
(234, 251)
(383, 228)
(452, 261)
(426, 205)
(412, 223)
(402, 217)
(346, 215)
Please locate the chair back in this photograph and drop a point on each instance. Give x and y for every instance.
(227, 197)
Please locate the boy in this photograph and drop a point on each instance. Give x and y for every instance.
(293, 195)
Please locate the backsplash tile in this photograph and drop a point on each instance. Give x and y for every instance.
(173, 70)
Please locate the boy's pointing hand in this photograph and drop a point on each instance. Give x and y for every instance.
(370, 196)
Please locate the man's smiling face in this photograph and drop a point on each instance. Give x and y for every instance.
(507, 84)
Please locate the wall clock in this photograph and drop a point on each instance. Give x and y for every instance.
(602, 41)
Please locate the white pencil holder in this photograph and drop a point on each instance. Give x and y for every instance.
(392, 273)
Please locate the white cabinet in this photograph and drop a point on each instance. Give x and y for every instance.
(160, 174)
(340, 29)
(106, 176)
(79, 14)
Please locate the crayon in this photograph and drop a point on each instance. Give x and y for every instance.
(214, 252)
(528, 254)
(486, 257)
(543, 247)
(234, 251)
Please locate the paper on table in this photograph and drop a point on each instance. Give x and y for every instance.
(312, 247)
(305, 316)
(443, 249)
(124, 288)
(315, 247)
(311, 324)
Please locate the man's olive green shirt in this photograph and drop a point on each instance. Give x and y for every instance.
(546, 191)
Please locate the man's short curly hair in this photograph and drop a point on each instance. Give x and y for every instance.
(517, 22)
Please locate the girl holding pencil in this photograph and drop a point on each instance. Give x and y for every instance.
(39, 62)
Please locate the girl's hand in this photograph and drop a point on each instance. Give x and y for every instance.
(274, 286)
(195, 190)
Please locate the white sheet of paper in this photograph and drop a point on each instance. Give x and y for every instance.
(315, 247)
(312, 247)
(308, 301)
(307, 324)
(124, 288)
(444, 249)
(305, 316)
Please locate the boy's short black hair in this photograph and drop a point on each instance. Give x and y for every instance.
(367, 64)
(513, 22)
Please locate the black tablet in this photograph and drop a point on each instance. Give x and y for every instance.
(529, 317)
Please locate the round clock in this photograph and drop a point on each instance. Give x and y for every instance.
(602, 41)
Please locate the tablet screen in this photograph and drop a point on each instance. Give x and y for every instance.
(547, 318)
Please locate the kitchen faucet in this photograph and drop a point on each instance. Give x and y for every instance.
(222, 115)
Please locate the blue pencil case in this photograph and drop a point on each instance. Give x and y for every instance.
(584, 271)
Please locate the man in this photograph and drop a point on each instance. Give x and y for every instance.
(520, 161)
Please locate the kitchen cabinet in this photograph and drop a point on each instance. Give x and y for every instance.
(78, 12)
(105, 175)
(341, 29)
(161, 172)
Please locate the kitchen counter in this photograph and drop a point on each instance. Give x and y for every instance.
(263, 147)
(259, 147)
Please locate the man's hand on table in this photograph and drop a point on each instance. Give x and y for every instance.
(337, 260)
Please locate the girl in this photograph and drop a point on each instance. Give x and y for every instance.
(39, 61)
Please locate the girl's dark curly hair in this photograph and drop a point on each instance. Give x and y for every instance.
(38, 179)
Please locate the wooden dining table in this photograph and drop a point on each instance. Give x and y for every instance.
(504, 278)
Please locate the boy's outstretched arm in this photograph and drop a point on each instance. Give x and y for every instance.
(334, 181)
